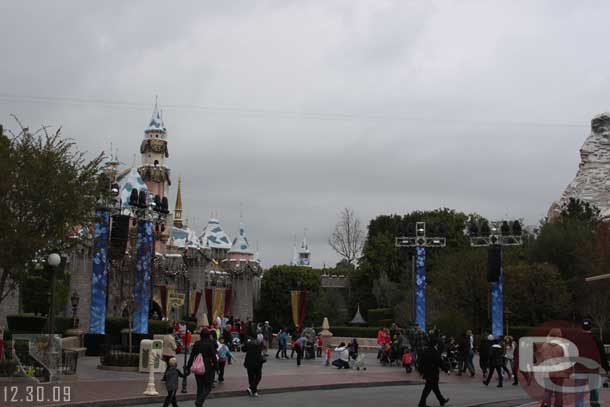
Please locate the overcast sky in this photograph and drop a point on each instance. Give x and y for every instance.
(297, 109)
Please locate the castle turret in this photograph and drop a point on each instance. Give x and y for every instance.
(154, 151)
(302, 255)
(178, 207)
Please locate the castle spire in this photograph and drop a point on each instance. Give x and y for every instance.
(178, 207)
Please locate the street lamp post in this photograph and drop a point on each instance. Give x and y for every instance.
(130, 306)
(74, 300)
(189, 259)
(53, 261)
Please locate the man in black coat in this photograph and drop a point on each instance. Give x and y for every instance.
(484, 347)
(429, 365)
(254, 365)
(207, 349)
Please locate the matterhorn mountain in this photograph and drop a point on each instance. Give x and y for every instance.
(592, 181)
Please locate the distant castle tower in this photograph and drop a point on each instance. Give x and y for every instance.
(244, 271)
(154, 152)
(302, 256)
(178, 208)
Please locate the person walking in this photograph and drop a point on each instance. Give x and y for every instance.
(595, 352)
(496, 361)
(169, 346)
(171, 376)
(484, 347)
(429, 365)
(295, 336)
(206, 347)
(509, 356)
(254, 365)
(224, 354)
(420, 340)
(282, 344)
(268, 334)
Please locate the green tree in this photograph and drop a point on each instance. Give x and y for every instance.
(568, 243)
(47, 187)
(535, 293)
(380, 255)
(34, 286)
(458, 282)
(277, 282)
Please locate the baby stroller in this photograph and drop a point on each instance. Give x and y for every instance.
(235, 341)
(358, 362)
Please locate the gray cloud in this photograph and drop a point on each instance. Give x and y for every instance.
(314, 106)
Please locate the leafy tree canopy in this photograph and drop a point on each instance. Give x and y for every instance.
(47, 187)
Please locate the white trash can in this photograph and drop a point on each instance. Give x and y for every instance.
(156, 347)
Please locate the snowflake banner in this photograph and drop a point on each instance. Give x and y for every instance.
(99, 275)
(420, 287)
(497, 308)
(144, 250)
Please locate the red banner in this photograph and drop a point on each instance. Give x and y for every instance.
(197, 301)
(208, 301)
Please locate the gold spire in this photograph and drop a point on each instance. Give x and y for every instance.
(178, 207)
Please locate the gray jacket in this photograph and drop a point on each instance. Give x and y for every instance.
(171, 378)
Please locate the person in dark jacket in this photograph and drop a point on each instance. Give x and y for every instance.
(254, 365)
(484, 353)
(595, 351)
(429, 365)
(207, 349)
(171, 376)
(495, 362)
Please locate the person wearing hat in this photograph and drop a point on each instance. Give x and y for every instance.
(594, 352)
(429, 365)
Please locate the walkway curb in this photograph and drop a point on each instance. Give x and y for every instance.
(237, 393)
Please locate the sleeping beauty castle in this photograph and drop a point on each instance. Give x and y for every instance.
(146, 260)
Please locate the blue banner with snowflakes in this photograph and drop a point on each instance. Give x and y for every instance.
(497, 307)
(420, 287)
(141, 291)
(99, 274)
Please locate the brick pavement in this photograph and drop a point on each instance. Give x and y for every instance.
(99, 387)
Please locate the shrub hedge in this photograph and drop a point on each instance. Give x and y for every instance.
(28, 323)
(376, 315)
(8, 368)
(120, 359)
(354, 331)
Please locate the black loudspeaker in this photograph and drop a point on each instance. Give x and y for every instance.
(494, 263)
(119, 235)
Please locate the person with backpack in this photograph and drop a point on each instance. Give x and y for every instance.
(202, 363)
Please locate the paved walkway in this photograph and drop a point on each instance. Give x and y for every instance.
(94, 387)
(460, 395)
(99, 387)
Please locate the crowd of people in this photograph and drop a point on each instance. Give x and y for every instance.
(427, 352)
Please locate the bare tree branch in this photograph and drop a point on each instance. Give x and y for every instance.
(348, 237)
